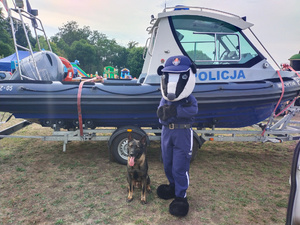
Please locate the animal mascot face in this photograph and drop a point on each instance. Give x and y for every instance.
(177, 78)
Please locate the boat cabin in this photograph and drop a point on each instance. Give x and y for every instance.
(215, 41)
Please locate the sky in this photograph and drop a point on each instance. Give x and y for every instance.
(276, 22)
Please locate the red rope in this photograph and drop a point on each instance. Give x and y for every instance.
(281, 96)
(282, 91)
(286, 107)
(284, 67)
(79, 101)
(288, 67)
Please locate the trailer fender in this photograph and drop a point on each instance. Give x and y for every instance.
(199, 140)
(197, 143)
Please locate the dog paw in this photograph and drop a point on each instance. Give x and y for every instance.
(143, 202)
(129, 199)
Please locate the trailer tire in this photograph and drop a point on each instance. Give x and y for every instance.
(197, 143)
(118, 144)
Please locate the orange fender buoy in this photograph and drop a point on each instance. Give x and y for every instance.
(69, 67)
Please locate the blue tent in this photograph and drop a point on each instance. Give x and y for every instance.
(5, 63)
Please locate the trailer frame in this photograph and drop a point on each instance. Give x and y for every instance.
(275, 131)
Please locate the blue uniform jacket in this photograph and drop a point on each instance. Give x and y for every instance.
(187, 108)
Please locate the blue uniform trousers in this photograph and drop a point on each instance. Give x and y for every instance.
(177, 145)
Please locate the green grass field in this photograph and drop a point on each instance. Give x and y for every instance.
(230, 183)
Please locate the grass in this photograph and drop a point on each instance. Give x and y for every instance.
(230, 183)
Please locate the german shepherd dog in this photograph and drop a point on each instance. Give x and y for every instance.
(137, 168)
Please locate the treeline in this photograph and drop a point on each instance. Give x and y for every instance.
(92, 48)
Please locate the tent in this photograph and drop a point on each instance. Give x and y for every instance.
(5, 63)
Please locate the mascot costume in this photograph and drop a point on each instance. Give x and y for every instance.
(176, 113)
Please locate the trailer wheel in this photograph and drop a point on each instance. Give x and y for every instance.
(197, 143)
(118, 147)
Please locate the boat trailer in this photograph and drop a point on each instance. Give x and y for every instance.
(275, 131)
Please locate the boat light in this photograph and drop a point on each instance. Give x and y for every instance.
(20, 4)
(181, 7)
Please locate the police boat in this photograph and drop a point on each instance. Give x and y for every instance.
(235, 85)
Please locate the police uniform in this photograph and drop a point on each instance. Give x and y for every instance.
(177, 143)
(176, 113)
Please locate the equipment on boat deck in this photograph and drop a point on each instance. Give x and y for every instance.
(48, 64)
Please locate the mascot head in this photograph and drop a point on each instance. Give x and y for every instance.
(177, 78)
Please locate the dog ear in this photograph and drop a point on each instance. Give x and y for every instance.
(143, 140)
(194, 68)
(129, 137)
(159, 72)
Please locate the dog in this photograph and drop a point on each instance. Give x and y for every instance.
(137, 168)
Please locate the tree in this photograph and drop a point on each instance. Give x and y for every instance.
(135, 61)
(44, 45)
(71, 32)
(132, 44)
(21, 37)
(85, 53)
(92, 48)
(64, 49)
(95, 51)
(121, 59)
(95, 36)
(5, 50)
(198, 54)
(109, 53)
(6, 41)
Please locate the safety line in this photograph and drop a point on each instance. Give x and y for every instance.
(284, 67)
(79, 101)
(281, 96)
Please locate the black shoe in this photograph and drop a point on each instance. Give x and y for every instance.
(166, 191)
(179, 207)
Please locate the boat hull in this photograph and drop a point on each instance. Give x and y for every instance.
(224, 105)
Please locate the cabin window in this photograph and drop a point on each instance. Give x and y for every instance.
(212, 42)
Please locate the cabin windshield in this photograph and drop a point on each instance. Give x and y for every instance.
(209, 41)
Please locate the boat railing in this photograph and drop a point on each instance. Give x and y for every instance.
(17, 16)
(146, 47)
(168, 9)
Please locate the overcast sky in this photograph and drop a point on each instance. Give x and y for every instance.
(276, 22)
